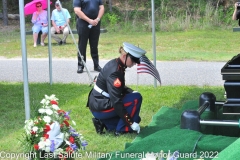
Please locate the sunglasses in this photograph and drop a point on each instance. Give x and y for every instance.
(39, 6)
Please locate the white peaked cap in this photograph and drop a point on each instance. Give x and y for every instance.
(133, 50)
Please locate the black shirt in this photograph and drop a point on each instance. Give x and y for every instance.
(89, 7)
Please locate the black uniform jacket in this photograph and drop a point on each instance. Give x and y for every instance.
(111, 80)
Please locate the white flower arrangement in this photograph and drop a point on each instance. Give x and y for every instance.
(51, 132)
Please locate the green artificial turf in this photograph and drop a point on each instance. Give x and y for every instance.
(231, 152)
(163, 136)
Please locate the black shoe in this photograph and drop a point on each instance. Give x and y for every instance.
(60, 43)
(80, 69)
(99, 126)
(98, 69)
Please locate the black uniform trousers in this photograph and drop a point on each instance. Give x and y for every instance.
(84, 34)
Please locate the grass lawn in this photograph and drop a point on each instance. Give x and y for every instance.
(73, 97)
(197, 45)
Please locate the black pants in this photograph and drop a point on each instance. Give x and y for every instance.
(84, 34)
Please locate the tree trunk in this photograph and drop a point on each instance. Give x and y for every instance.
(5, 13)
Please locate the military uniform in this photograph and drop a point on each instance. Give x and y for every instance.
(114, 105)
(111, 101)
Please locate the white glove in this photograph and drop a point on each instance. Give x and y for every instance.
(135, 92)
(135, 126)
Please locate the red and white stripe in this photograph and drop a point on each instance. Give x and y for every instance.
(146, 66)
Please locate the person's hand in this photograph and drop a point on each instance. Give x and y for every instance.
(61, 28)
(94, 22)
(44, 24)
(36, 16)
(135, 126)
(58, 29)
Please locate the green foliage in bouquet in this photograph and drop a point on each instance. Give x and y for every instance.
(50, 135)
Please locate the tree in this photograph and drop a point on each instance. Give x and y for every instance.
(5, 13)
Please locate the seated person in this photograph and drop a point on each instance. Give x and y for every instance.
(60, 20)
(40, 23)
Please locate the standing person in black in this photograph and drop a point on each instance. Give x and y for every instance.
(114, 105)
(89, 13)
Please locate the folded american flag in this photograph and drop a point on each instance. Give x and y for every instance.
(146, 66)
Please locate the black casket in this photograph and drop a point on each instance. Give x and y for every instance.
(231, 74)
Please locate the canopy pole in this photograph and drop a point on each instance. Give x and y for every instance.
(49, 43)
(154, 39)
(24, 59)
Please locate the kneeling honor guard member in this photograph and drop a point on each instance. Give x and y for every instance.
(115, 106)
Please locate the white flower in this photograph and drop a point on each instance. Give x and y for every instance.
(41, 144)
(49, 111)
(47, 97)
(35, 128)
(54, 106)
(53, 97)
(28, 126)
(67, 142)
(47, 142)
(49, 115)
(47, 149)
(45, 102)
(74, 123)
(47, 119)
(44, 144)
(41, 110)
(47, 107)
